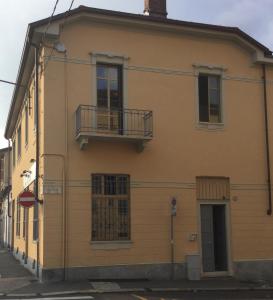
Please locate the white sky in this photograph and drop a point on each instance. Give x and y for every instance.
(252, 16)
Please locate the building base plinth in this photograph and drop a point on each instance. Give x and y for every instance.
(259, 270)
(145, 271)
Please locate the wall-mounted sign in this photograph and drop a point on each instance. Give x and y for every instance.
(26, 199)
(173, 203)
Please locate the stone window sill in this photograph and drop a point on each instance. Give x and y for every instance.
(111, 245)
(211, 126)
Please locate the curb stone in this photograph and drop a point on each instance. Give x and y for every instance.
(59, 293)
(91, 291)
(123, 290)
(22, 295)
(195, 290)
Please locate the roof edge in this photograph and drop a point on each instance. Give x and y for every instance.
(24, 55)
(85, 9)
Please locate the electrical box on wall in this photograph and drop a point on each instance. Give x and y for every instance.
(192, 237)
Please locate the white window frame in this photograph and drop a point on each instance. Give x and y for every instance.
(114, 59)
(26, 115)
(213, 70)
(19, 139)
(14, 151)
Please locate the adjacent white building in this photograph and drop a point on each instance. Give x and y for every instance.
(5, 200)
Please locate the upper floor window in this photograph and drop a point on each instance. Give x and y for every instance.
(110, 207)
(33, 95)
(109, 86)
(14, 153)
(19, 141)
(26, 124)
(209, 88)
(1, 170)
(109, 97)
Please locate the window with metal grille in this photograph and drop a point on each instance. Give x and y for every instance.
(213, 188)
(110, 207)
(19, 144)
(18, 218)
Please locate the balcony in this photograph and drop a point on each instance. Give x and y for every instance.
(127, 125)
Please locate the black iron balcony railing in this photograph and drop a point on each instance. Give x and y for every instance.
(127, 123)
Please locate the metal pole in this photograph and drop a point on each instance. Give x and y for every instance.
(172, 248)
(173, 214)
(26, 229)
(269, 211)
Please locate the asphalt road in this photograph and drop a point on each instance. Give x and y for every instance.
(240, 295)
(212, 295)
(188, 296)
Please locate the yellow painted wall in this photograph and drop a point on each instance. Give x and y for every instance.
(160, 78)
(28, 152)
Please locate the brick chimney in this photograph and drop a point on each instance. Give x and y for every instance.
(155, 8)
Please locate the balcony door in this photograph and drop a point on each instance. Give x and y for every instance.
(109, 116)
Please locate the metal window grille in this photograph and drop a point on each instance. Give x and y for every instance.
(110, 208)
(213, 188)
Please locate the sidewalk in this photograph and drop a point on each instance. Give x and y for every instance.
(10, 267)
(93, 287)
(13, 275)
(17, 281)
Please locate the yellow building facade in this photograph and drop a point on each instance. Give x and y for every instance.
(152, 149)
